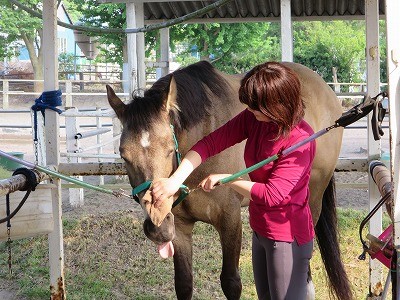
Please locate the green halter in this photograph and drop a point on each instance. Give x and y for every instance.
(146, 185)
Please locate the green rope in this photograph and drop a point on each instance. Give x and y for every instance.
(249, 169)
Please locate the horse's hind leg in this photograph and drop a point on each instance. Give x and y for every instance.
(310, 286)
(183, 261)
(230, 231)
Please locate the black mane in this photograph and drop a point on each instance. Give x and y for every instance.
(197, 84)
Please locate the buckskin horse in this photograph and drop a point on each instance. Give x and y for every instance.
(195, 100)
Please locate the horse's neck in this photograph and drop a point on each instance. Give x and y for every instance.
(221, 112)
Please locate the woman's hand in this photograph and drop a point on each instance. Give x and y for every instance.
(211, 181)
(163, 188)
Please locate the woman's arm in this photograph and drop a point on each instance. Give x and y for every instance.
(163, 188)
(240, 185)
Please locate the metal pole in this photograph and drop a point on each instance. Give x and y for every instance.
(374, 147)
(393, 61)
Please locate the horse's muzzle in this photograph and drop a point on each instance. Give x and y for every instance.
(162, 234)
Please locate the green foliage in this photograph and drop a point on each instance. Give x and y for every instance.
(233, 48)
(16, 26)
(324, 45)
(103, 15)
(382, 50)
(4, 173)
(65, 65)
(17, 23)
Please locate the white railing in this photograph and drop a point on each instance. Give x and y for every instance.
(65, 85)
(89, 144)
(355, 90)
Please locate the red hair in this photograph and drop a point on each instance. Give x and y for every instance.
(274, 90)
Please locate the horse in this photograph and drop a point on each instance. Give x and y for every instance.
(182, 107)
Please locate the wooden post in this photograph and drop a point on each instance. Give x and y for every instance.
(98, 141)
(68, 96)
(286, 31)
(164, 50)
(131, 47)
(81, 83)
(76, 196)
(336, 86)
(56, 246)
(5, 94)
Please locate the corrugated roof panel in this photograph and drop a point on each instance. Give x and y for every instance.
(341, 7)
(253, 11)
(362, 7)
(308, 7)
(275, 8)
(331, 7)
(154, 11)
(187, 7)
(262, 8)
(257, 8)
(232, 10)
(319, 7)
(222, 11)
(242, 8)
(352, 7)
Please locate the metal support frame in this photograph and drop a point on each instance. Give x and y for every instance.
(374, 147)
(393, 61)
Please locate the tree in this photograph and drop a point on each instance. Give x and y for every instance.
(18, 25)
(232, 48)
(93, 14)
(324, 45)
(66, 65)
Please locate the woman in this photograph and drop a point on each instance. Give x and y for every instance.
(279, 213)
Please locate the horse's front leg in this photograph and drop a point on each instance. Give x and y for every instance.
(183, 264)
(230, 231)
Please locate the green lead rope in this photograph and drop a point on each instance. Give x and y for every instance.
(248, 170)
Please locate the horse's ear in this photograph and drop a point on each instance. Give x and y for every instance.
(171, 101)
(115, 102)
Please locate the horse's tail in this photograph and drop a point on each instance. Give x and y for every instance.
(327, 238)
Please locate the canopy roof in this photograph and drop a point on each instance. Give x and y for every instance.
(256, 10)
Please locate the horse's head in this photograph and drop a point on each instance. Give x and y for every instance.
(147, 145)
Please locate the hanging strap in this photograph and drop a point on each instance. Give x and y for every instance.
(47, 100)
(8, 218)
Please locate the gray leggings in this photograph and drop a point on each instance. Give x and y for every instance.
(280, 268)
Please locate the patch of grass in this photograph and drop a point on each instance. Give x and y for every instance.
(4, 173)
(108, 257)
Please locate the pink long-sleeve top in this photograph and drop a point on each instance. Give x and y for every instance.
(279, 208)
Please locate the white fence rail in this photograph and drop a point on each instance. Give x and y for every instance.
(343, 90)
(24, 87)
